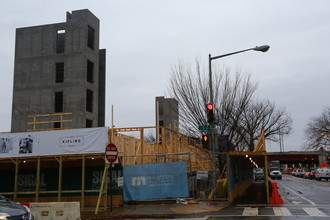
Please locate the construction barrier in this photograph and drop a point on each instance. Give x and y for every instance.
(55, 210)
(221, 188)
(275, 197)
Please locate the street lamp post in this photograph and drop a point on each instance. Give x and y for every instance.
(214, 139)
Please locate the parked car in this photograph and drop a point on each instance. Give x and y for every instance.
(322, 173)
(294, 171)
(287, 171)
(300, 173)
(259, 174)
(311, 174)
(275, 173)
(12, 210)
(306, 175)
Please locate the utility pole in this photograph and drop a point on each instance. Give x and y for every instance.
(214, 139)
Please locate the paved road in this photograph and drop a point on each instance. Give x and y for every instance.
(303, 199)
(295, 190)
(271, 212)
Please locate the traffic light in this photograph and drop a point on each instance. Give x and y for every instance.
(210, 113)
(223, 142)
(206, 141)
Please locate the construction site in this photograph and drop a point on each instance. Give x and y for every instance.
(77, 176)
(82, 174)
(56, 150)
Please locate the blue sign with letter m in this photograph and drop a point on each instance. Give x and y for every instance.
(155, 181)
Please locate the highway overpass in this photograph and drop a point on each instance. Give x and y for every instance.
(300, 158)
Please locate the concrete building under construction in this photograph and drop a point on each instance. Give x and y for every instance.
(59, 68)
(167, 115)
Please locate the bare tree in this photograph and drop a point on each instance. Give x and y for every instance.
(236, 113)
(258, 115)
(150, 137)
(318, 131)
(190, 89)
(234, 96)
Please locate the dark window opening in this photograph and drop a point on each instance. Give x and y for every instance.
(91, 38)
(59, 72)
(57, 124)
(89, 100)
(58, 101)
(89, 123)
(60, 41)
(90, 71)
(161, 124)
(161, 108)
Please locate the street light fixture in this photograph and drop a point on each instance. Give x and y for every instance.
(214, 140)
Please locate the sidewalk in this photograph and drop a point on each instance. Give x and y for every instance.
(169, 209)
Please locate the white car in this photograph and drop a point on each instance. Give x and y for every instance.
(275, 173)
(258, 174)
(322, 173)
(300, 172)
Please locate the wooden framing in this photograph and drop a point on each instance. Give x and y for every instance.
(59, 191)
(176, 147)
(61, 120)
(261, 145)
(172, 146)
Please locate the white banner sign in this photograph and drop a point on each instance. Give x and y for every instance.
(59, 142)
(202, 175)
(120, 181)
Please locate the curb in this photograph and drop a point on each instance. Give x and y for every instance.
(139, 216)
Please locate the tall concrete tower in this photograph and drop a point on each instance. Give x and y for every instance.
(167, 114)
(59, 68)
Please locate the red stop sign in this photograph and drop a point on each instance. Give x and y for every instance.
(111, 153)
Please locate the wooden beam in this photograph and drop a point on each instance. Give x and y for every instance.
(47, 115)
(47, 122)
(83, 172)
(142, 142)
(38, 180)
(60, 172)
(16, 162)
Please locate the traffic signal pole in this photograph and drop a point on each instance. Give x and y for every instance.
(214, 138)
(213, 128)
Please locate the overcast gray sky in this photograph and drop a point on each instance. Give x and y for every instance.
(145, 38)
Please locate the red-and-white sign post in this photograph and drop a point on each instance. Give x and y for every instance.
(111, 155)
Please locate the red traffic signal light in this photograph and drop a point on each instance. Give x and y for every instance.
(210, 106)
(209, 113)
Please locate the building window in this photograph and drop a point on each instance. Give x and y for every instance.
(91, 37)
(161, 108)
(89, 100)
(59, 72)
(89, 123)
(58, 101)
(57, 124)
(60, 41)
(90, 71)
(161, 124)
